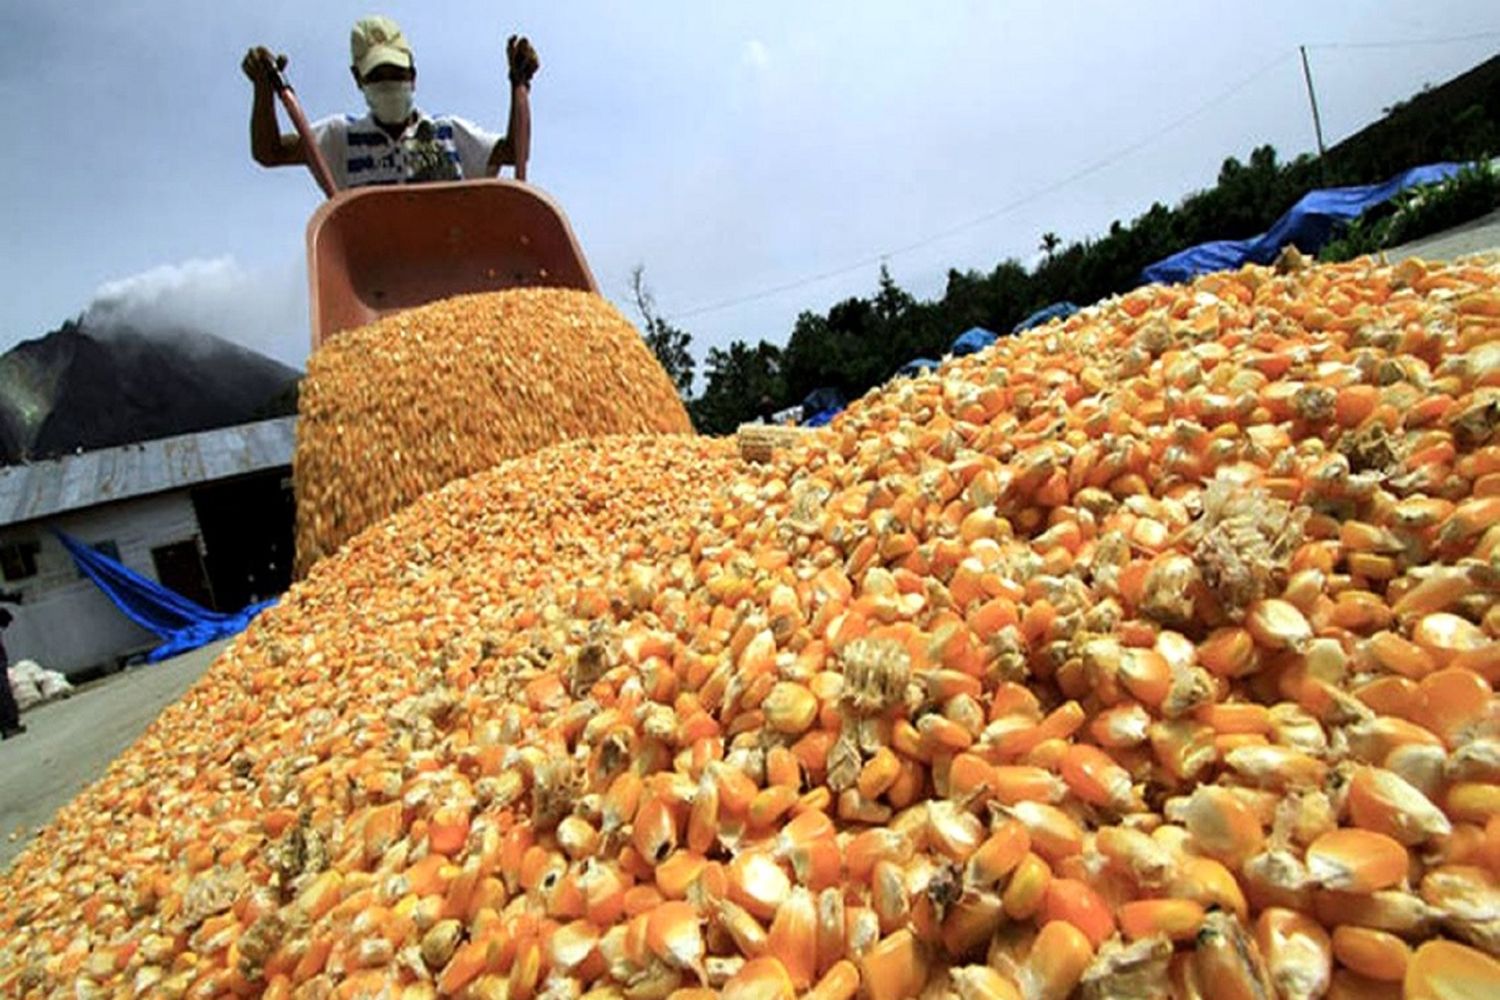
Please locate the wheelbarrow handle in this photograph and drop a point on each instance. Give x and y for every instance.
(310, 149)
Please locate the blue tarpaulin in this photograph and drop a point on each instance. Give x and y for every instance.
(1309, 224)
(821, 419)
(822, 399)
(917, 366)
(1057, 310)
(821, 405)
(182, 624)
(972, 341)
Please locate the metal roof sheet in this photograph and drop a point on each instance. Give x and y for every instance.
(41, 489)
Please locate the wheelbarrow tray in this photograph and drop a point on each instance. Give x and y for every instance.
(377, 250)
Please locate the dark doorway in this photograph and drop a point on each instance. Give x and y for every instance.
(247, 529)
(179, 567)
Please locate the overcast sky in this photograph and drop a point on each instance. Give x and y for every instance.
(731, 148)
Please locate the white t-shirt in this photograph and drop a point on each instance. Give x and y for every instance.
(360, 152)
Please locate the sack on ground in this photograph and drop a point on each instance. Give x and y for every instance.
(22, 686)
(53, 685)
(33, 684)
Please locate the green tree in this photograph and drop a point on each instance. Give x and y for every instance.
(669, 344)
(739, 380)
(891, 301)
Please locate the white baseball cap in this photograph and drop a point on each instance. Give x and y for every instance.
(378, 41)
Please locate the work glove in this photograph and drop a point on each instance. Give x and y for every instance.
(523, 60)
(261, 65)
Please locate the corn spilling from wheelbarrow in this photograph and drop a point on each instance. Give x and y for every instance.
(1147, 654)
(393, 410)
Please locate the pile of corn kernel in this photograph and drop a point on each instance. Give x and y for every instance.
(396, 409)
(1147, 654)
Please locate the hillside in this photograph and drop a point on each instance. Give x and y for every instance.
(85, 387)
(1447, 122)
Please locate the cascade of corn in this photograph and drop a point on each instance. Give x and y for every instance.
(1147, 654)
(396, 409)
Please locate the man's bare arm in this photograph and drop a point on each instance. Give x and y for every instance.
(515, 148)
(268, 145)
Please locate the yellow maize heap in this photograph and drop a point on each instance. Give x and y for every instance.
(398, 408)
(1150, 653)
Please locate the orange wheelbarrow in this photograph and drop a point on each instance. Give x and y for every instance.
(377, 250)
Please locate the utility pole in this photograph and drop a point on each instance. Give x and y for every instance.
(1312, 98)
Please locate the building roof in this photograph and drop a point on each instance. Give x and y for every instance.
(42, 489)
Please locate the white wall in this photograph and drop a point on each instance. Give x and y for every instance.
(66, 623)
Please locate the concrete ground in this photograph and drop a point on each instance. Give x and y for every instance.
(70, 743)
(1479, 235)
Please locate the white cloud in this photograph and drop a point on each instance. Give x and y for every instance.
(756, 56)
(259, 308)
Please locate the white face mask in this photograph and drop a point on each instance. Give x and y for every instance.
(389, 101)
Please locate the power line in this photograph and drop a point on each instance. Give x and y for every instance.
(1086, 171)
(993, 214)
(1408, 43)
